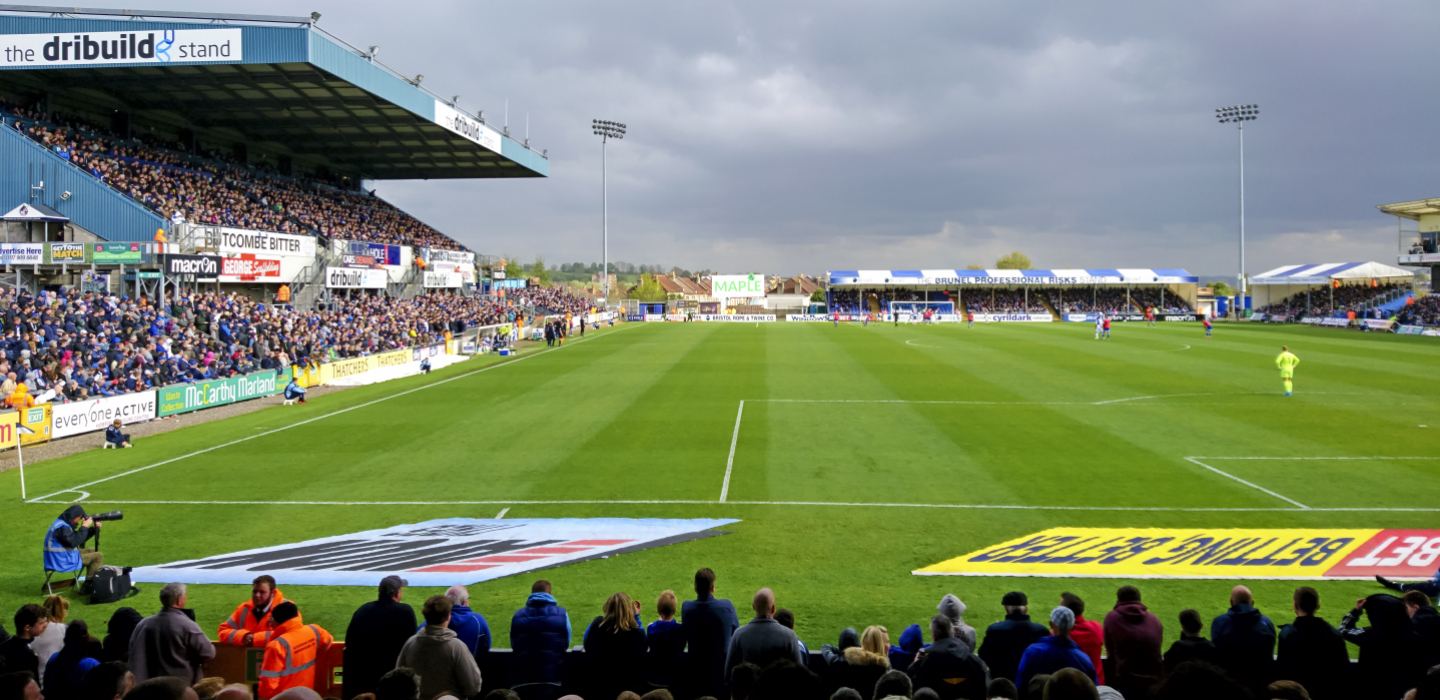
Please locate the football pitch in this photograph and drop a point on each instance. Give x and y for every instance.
(851, 457)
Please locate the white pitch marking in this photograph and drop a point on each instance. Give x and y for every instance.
(1142, 398)
(730, 463)
(1253, 486)
(957, 506)
(312, 420)
(913, 344)
(503, 511)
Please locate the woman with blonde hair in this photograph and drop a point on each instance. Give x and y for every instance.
(50, 642)
(615, 649)
(865, 664)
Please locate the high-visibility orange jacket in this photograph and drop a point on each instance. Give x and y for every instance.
(283, 295)
(243, 622)
(290, 657)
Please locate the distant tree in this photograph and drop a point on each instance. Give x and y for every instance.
(538, 271)
(817, 295)
(973, 267)
(1222, 289)
(513, 269)
(1014, 261)
(648, 289)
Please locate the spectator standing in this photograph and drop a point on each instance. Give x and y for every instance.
(291, 653)
(1426, 622)
(1191, 646)
(665, 661)
(47, 644)
(375, 635)
(539, 635)
(1055, 652)
(1245, 639)
(20, 685)
(615, 649)
(1312, 652)
(1389, 648)
(708, 623)
(762, 639)
(169, 643)
(16, 652)
(954, 608)
(948, 666)
(118, 631)
(1088, 634)
(66, 667)
(469, 626)
(1132, 638)
(445, 664)
(1006, 641)
(865, 664)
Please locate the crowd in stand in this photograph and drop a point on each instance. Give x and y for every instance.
(82, 345)
(211, 189)
(699, 649)
(1348, 298)
(1004, 301)
(855, 301)
(1424, 312)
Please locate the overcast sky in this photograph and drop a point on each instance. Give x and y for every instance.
(801, 137)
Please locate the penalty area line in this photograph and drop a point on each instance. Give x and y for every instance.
(41, 499)
(1228, 475)
(730, 463)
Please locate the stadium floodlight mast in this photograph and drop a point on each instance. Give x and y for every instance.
(1238, 115)
(606, 130)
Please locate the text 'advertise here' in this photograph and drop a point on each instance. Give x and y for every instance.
(1288, 554)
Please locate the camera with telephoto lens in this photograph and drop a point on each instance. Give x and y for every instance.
(112, 515)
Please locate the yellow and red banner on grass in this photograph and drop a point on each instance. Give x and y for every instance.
(1201, 553)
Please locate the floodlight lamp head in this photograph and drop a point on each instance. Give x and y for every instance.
(418, 78)
(314, 16)
(374, 51)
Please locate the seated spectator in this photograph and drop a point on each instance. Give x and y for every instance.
(786, 679)
(912, 640)
(115, 437)
(539, 635)
(953, 608)
(1312, 652)
(249, 625)
(1070, 684)
(1192, 645)
(1198, 680)
(762, 639)
(742, 680)
(1057, 651)
(399, 683)
(615, 648)
(162, 688)
(708, 623)
(469, 626)
(1245, 639)
(445, 664)
(1132, 638)
(112, 680)
(948, 667)
(1287, 690)
(865, 664)
(893, 684)
(1002, 688)
(1088, 634)
(834, 657)
(665, 661)
(19, 685)
(1006, 641)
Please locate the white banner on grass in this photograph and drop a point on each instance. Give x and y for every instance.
(97, 414)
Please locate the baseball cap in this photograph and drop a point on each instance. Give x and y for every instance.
(392, 584)
(1015, 598)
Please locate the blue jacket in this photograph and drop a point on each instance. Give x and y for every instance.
(539, 635)
(113, 435)
(1050, 654)
(59, 557)
(708, 624)
(471, 628)
(1246, 641)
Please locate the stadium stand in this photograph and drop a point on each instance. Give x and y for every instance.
(1424, 312)
(1348, 298)
(1307, 652)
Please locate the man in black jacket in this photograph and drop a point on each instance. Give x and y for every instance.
(1245, 639)
(947, 666)
(1312, 652)
(377, 632)
(1006, 641)
(708, 622)
(1426, 622)
(30, 622)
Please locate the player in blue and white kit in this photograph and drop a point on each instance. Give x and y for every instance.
(1099, 324)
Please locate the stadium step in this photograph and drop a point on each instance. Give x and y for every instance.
(875, 306)
(1045, 301)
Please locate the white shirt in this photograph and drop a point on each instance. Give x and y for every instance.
(48, 643)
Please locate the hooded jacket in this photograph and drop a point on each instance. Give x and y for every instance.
(951, 670)
(1090, 637)
(471, 628)
(861, 669)
(1132, 637)
(1389, 648)
(1050, 654)
(912, 640)
(63, 541)
(539, 633)
(1245, 639)
(954, 608)
(117, 640)
(1006, 641)
(291, 655)
(443, 662)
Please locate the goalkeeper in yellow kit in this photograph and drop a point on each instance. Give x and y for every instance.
(1286, 362)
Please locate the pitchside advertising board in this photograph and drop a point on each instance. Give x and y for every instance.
(737, 318)
(88, 416)
(1198, 553)
(199, 268)
(121, 48)
(438, 552)
(184, 398)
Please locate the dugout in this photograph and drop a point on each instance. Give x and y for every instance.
(1318, 282)
(937, 288)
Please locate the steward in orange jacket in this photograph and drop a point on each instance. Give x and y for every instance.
(246, 621)
(291, 654)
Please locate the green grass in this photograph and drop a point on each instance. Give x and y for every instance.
(831, 429)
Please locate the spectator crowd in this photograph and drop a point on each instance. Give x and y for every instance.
(699, 649)
(210, 188)
(1346, 299)
(83, 345)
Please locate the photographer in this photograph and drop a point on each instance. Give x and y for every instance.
(65, 545)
